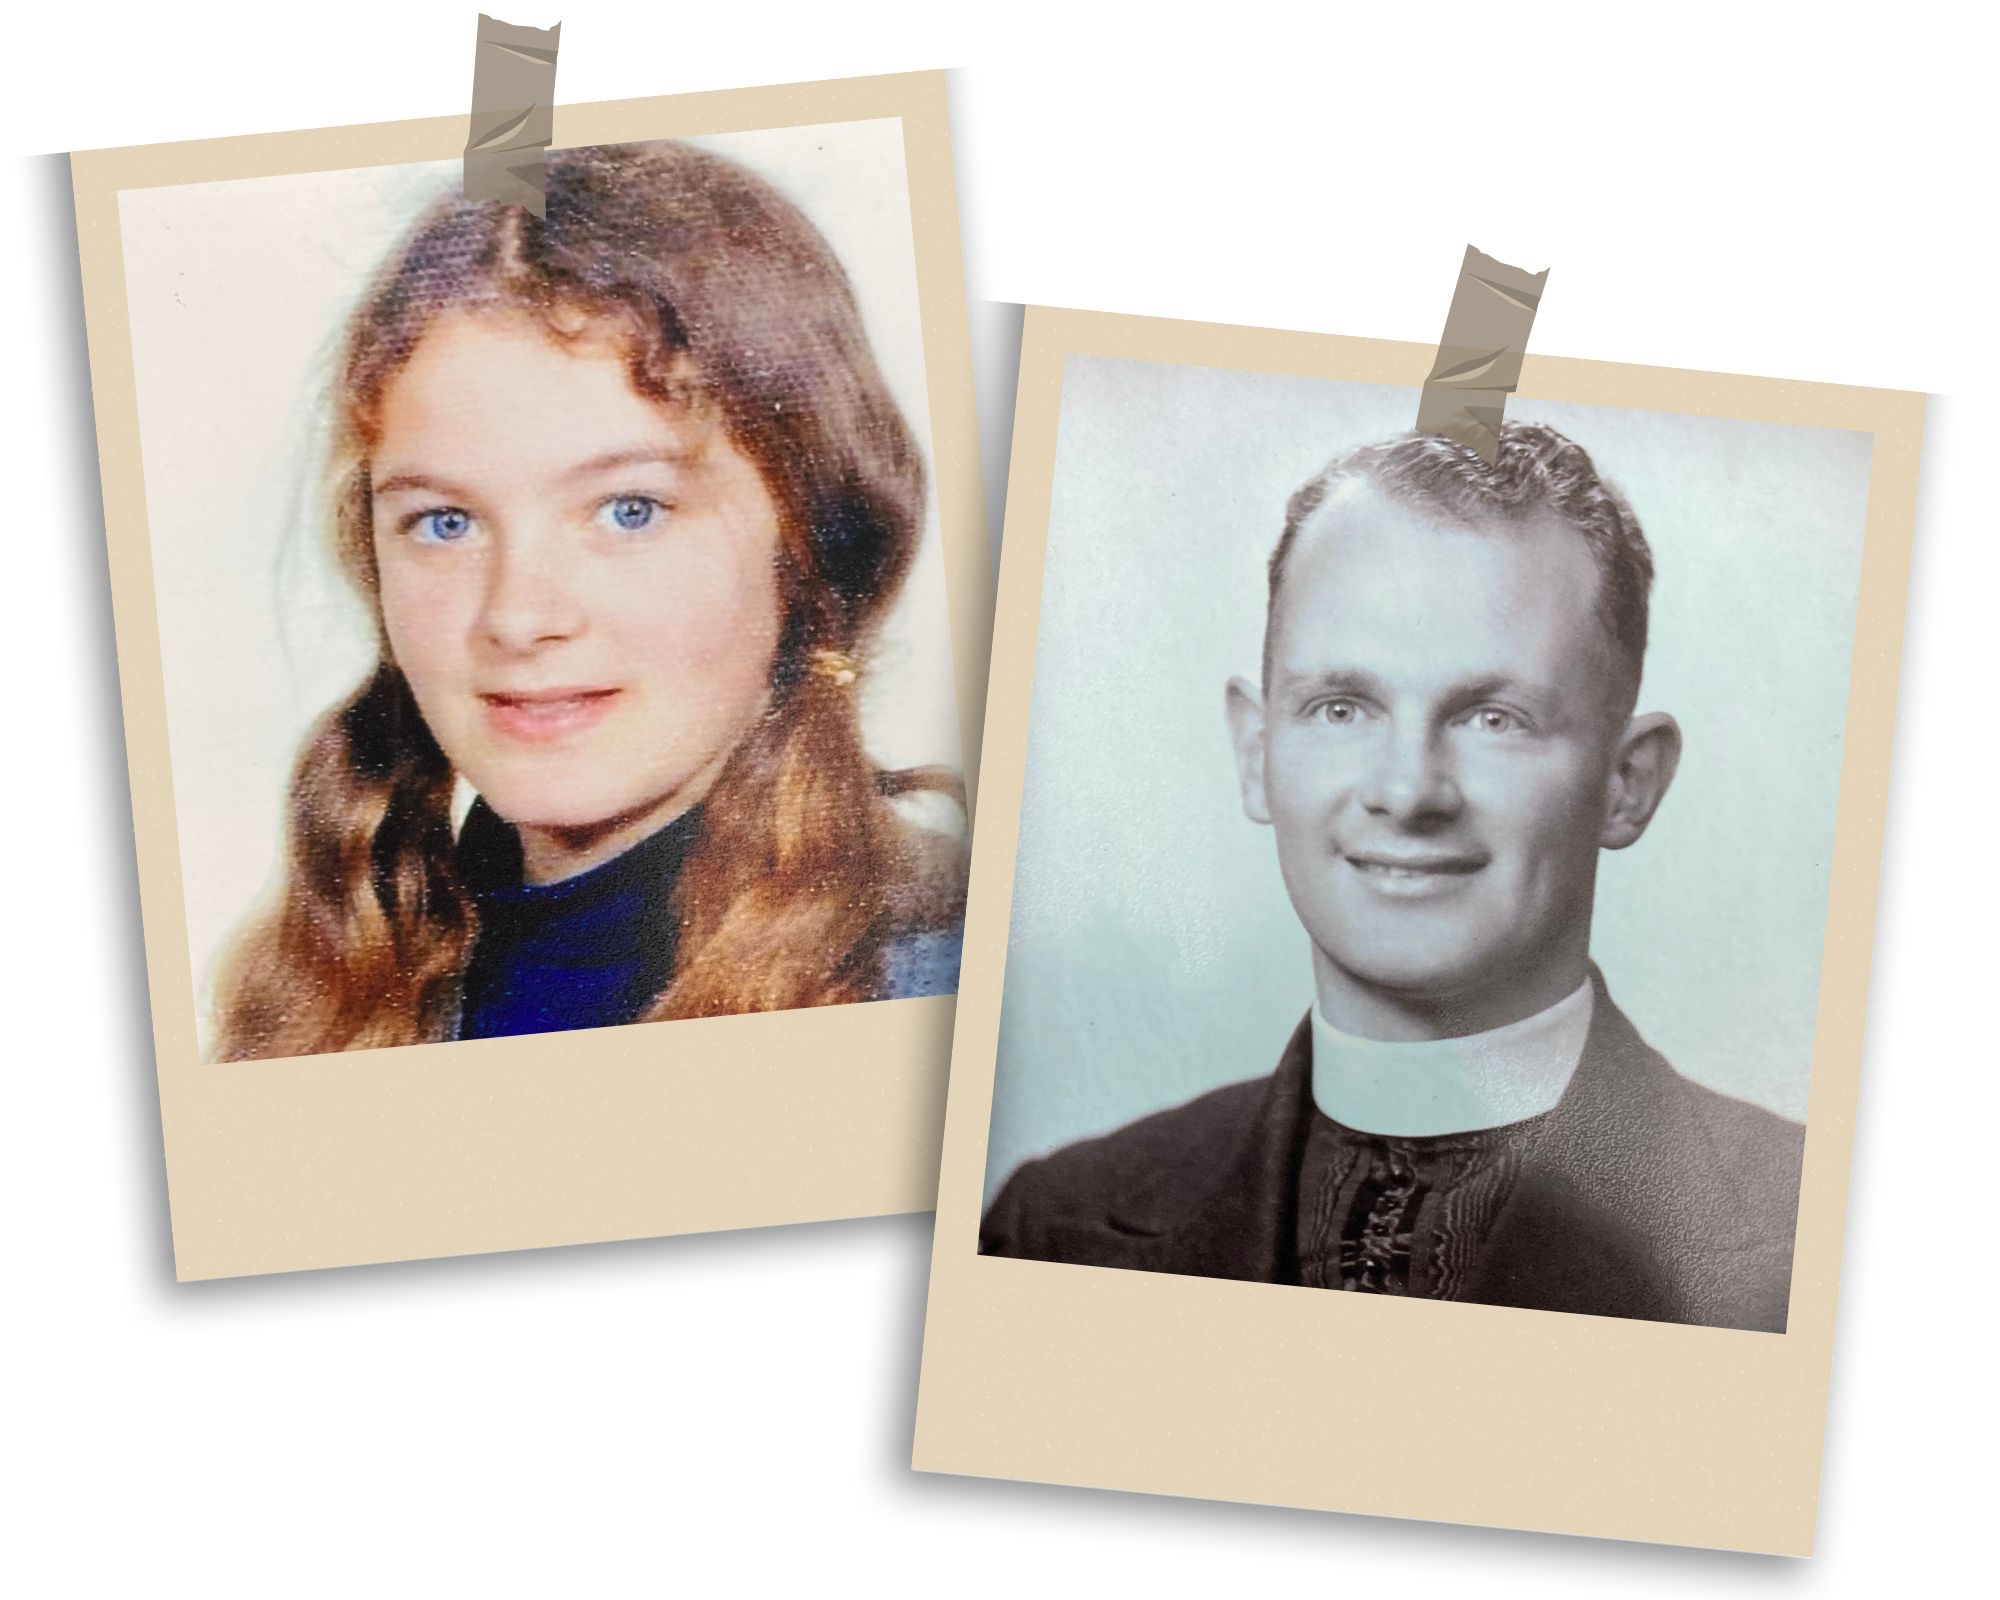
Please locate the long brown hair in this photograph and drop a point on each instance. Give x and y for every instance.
(724, 295)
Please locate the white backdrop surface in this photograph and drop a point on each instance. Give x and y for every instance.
(1794, 194)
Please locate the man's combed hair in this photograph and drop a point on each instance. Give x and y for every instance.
(1536, 472)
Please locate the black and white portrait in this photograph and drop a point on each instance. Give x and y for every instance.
(1423, 865)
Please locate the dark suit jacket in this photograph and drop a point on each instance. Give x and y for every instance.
(1642, 1194)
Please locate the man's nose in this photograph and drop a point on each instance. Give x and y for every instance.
(1410, 778)
(531, 596)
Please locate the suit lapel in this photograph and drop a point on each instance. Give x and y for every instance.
(1241, 1225)
(1618, 1209)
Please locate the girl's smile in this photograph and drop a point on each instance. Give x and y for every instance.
(546, 714)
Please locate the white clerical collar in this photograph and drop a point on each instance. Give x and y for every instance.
(1420, 1088)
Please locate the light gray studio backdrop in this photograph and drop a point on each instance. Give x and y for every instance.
(239, 292)
(1153, 953)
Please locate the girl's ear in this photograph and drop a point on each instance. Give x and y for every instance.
(1244, 705)
(1648, 755)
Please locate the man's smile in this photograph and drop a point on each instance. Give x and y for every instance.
(1411, 874)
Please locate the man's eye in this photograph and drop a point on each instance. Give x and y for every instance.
(630, 513)
(444, 525)
(1339, 710)
(1495, 719)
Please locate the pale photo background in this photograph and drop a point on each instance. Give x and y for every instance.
(238, 294)
(1153, 953)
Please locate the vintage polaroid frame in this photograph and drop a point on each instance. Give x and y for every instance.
(506, 1143)
(1461, 1412)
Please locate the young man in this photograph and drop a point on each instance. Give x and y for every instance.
(1443, 740)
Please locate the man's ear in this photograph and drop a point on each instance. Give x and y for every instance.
(1649, 753)
(1246, 731)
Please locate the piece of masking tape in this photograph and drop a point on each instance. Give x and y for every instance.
(513, 114)
(1479, 357)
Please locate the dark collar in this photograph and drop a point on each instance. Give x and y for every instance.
(592, 950)
(490, 864)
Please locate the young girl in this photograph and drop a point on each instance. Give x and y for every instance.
(627, 499)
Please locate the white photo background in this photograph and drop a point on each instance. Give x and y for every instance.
(239, 292)
(1153, 954)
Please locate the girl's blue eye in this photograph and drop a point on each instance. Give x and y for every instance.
(446, 525)
(631, 513)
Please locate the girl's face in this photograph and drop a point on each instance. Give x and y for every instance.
(579, 583)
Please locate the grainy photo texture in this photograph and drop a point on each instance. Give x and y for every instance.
(1430, 911)
(1442, 725)
(552, 651)
(621, 499)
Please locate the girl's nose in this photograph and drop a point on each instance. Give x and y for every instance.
(531, 597)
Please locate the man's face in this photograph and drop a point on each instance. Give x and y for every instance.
(1433, 748)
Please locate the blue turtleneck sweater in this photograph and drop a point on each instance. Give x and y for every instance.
(595, 950)
(590, 951)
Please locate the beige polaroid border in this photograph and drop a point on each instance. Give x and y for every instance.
(501, 1144)
(1461, 1413)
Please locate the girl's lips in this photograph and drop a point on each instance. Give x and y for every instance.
(546, 714)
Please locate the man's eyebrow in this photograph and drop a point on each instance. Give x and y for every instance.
(1485, 685)
(1330, 680)
(1359, 680)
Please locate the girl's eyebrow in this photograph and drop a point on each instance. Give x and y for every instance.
(596, 466)
(638, 456)
(402, 482)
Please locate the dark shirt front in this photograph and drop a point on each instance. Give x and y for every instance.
(592, 951)
(1406, 1216)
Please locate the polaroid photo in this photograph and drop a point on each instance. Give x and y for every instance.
(1445, 881)
(553, 652)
